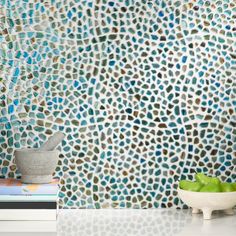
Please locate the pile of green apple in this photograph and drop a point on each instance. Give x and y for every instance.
(205, 183)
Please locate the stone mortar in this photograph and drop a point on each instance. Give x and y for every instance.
(36, 166)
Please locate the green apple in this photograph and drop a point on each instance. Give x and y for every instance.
(203, 179)
(190, 186)
(213, 188)
(227, 187)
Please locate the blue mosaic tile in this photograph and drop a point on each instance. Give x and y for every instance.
(144, 91)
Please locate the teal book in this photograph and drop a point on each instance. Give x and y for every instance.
(15, 187)
(28, 198)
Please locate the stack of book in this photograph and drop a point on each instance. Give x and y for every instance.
(20, 201)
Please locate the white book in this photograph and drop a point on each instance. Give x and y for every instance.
(28, 214)
(28, 234)
(28, 198)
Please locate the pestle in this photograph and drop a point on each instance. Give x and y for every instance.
(52, 142)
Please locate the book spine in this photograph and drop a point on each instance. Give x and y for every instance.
(28, 198)
(29, 214)
(28, 205)
(13, 190)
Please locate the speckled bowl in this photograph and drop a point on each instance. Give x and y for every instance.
(208, 202)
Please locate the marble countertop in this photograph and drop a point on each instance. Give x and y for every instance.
(125, 222)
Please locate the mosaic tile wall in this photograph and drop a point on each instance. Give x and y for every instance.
(144, 91)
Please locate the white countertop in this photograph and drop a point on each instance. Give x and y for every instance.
(151, 222)
(117, 222)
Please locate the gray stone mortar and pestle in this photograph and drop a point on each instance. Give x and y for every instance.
(38, 165)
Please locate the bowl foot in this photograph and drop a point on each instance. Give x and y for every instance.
(207, 213)
(36, 179)
(229, 211)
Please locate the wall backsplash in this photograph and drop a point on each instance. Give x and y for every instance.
(145, 92)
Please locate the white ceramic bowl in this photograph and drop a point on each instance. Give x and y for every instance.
(208, 202)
